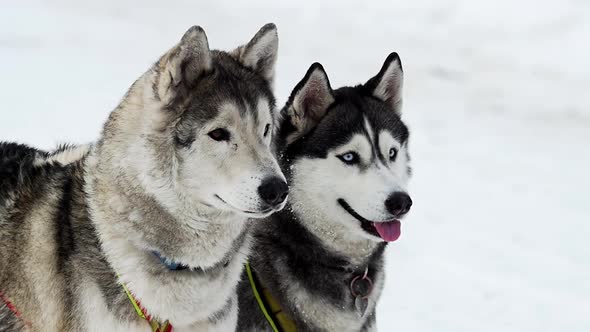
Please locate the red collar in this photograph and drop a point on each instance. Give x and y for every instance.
(12, 308)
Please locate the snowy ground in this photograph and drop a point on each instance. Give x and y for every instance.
(496, 97)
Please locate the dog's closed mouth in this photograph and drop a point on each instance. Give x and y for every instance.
(263, 212)
(389, 230)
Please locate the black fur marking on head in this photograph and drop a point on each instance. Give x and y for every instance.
(345, 118)
(228, 81)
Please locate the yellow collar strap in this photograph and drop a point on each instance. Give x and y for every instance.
(154, 324)
(278, 319)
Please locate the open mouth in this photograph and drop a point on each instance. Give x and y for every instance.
(389, 230)
(252, 213)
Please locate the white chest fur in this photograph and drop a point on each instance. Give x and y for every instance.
(327, 316)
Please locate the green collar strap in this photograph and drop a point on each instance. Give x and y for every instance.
(155, 325)
(278, 319)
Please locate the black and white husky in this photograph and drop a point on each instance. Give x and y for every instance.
(318, 266)
(159, 204)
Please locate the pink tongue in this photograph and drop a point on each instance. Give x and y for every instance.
(389, 231)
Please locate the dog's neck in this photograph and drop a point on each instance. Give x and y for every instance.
(294, 235)
(131, 224)
(286, 253)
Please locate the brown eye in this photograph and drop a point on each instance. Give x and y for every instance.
(219, 134)
(266, 130)
(392, 154)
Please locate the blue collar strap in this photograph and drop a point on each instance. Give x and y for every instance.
(170, 265)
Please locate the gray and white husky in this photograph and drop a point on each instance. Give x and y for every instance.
(159, 204)
(318, 266)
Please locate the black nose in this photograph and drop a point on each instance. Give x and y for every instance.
(398, 203)
(273, 191)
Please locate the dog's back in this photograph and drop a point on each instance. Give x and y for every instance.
(16, 162)
(18, 173)
(27, 176)
(35, 193)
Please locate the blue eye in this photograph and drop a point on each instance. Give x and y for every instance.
(349, 158)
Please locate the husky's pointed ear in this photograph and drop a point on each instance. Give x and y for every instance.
(387, 85)
(186, 62)
(308, 102)
(260, 54)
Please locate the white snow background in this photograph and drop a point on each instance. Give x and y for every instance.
(496, 96)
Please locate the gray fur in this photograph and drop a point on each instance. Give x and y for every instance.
(10, 322)
(77, 221)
